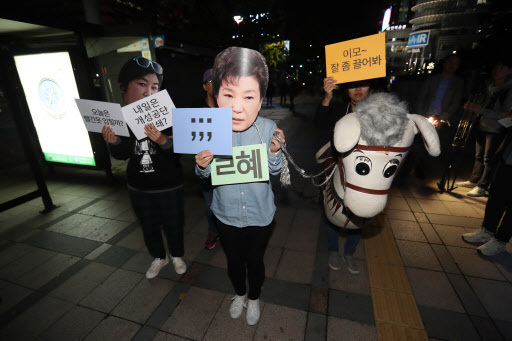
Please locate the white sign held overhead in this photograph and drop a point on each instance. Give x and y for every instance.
(506, 122)
(97, 114)
(155, 109)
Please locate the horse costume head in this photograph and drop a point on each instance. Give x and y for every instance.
(373, 142)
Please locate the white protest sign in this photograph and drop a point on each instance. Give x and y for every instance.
(97, 114)
(506, 122)
(155, 109)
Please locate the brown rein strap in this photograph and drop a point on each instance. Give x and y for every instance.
(383, 148)
(367, 190)
(374, 149)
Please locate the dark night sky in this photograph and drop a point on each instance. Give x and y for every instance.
(334, 21)
(327, 22)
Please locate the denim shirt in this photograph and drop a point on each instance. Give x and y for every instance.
(247, 204)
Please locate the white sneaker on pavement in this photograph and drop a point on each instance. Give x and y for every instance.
(334, 260)
(156, 266)
(179, 265)
(236, 308)
(492, 247)
(351, 264)
(476, 192)
(467, 184)
(253, 312)
(481, 236)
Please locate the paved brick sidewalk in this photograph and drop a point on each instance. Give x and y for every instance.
(78, 272)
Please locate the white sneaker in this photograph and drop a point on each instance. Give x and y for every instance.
(351, 264)
(476, 192)
(334, 260)
(492, 247)
(482, 236)
(236, 308)
(253, 312)
(467, 184)
(179, 265)
(155, 267)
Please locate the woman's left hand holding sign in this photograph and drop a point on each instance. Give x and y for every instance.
(154, 134)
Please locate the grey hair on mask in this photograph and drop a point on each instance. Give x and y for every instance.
(383, 119)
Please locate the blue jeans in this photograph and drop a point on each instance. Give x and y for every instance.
(353, 237)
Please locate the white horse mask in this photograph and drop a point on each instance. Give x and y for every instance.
(373, 142)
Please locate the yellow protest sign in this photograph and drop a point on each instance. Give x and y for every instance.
(357, 59)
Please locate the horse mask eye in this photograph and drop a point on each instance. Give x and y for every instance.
(390, 168)
(363, 165)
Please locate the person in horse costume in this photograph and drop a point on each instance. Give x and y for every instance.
(371, 145)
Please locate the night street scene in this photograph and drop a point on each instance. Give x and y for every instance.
(255, 170)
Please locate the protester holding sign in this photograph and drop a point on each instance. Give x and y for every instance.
(244, 211)
(154, 174)
(338, 101)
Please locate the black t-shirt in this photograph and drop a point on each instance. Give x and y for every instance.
(150, 166)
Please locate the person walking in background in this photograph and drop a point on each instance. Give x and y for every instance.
(496, 228)
(293, 90)
(209, 101)
(205, 184)
(489, 132)
(441, 98)
(244, 211)
(441, 94)
(283, 91)
(270, 92)
(336, 104)
(154, 174)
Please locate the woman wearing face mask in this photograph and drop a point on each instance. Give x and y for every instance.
(154, 174)
(336, 104)
(244, 211)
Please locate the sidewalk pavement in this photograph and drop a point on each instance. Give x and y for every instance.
(78, 272)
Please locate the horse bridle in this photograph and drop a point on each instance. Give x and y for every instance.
(373, 149)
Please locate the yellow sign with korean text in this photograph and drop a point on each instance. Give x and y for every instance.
(357, 59)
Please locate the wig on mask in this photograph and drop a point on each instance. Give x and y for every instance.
(235, 62)
(383, 118)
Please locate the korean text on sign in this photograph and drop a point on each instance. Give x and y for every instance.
(357, 59)
(198, 129)
(96, 114)
(155, 109)
(248, 164)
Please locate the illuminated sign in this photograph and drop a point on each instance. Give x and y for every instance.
(50, 89)
(418, 39)
(158, 41)
(238, 19)
(387, 18)
(286, 45)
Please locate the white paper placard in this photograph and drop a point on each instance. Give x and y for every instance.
(506, 122)
(155, 109)
(97, 114)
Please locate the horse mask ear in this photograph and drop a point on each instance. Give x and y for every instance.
(346, 133)
(429, 134)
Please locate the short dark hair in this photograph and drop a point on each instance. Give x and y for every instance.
(235, 62)
(131, 70)
(448, 57)
(502, 60)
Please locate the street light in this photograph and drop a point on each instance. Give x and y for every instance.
(238, 19)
